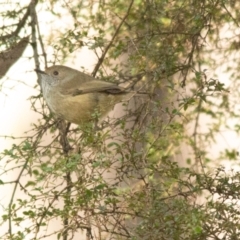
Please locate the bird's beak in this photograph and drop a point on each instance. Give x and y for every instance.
(40, 71)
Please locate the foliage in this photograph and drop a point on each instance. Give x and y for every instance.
(124, 181)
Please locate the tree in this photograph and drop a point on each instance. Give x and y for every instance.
(123, 181)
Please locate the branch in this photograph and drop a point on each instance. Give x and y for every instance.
(111, 42)
(20, 24)
(10, 56)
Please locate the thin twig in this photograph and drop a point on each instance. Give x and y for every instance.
(112, 40)
(20, 24)
(34, 38)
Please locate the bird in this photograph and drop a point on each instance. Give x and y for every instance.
(76, 96)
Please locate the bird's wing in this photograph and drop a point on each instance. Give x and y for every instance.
(93, 86)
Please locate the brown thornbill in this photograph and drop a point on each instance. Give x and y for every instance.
(75, 96)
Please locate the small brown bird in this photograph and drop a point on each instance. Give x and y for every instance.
(76, 96)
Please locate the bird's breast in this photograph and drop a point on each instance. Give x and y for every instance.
(81, 108)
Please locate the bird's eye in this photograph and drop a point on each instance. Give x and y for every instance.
(55, 73)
